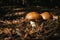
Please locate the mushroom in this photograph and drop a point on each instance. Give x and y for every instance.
(55, 17)
(45, 15)
(32, 16)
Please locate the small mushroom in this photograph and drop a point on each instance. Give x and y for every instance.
(55, 17)
(32, 16)
(45, 15)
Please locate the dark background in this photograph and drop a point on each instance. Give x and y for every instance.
(48, 3)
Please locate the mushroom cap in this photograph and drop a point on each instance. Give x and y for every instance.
(45, 15)
(32, 16)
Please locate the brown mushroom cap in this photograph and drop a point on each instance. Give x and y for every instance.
(45, 15)
(32, 16)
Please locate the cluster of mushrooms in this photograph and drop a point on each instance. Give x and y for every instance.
(33, 17)
(36, 16)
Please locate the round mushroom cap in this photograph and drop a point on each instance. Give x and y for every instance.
(45, 15)
(32, 16)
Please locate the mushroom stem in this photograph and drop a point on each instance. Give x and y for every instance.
(32, 24)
